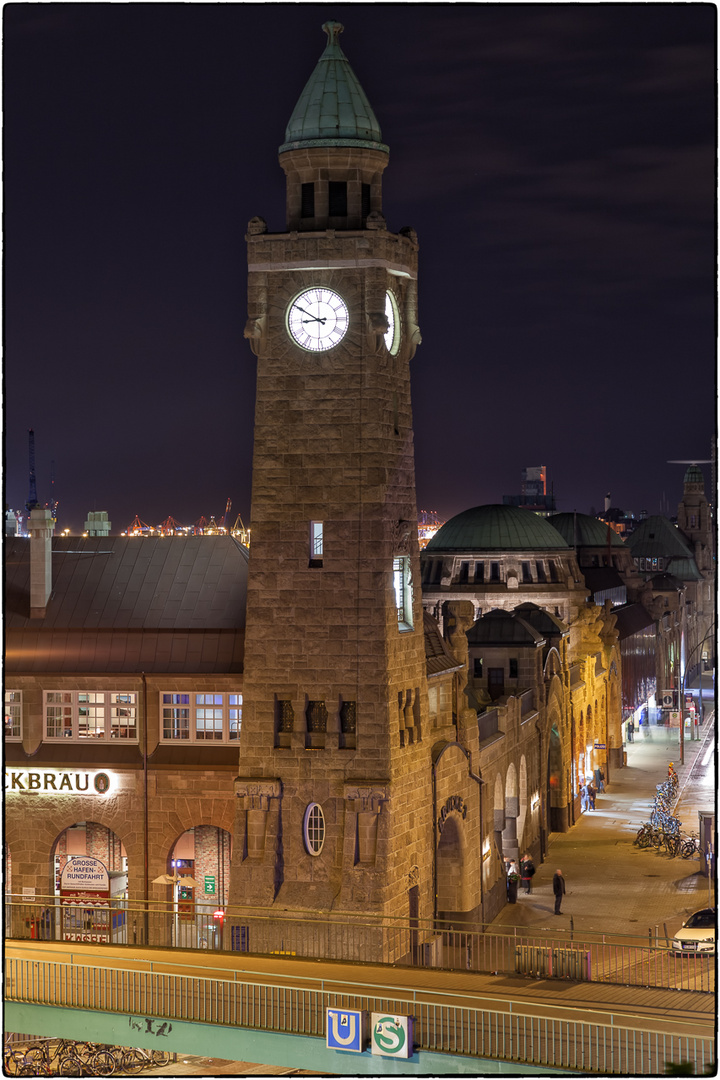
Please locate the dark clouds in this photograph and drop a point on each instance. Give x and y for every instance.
(558, 162)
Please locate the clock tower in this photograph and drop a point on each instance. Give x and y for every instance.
(334, 797)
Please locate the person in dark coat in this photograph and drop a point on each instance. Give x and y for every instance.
(599, 776)
(591, 796)
(527, 869)
(559, 890)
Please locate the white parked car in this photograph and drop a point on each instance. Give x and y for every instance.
(697, 933)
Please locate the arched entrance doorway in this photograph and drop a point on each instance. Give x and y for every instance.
(199, 863)
(556, 800)
(523, 840)
(102, 885)
(512, 807)
(451, 887)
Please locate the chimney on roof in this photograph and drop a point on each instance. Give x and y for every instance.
(40, 530)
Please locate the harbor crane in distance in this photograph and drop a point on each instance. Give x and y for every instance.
(240, 532)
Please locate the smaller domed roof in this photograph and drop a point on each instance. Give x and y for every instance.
(584, 530)
(694, 476)
(497, 528)
(498, 627)
(332, 109)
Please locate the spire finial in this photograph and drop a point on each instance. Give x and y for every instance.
(333, 30)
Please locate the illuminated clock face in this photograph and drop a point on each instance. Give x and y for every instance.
(317, 319)
(392, 334)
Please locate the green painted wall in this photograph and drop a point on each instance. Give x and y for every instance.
(242, 1044)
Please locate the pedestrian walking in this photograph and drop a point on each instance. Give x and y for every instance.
(559, 890)
(513, 877)
(599, 776)
(591, 796)
(527, 870)
(630, 730)
(583, 798)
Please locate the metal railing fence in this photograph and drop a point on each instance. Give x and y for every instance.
(507, 1032)
(622, 960)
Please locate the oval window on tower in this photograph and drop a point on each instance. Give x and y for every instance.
(314, 829)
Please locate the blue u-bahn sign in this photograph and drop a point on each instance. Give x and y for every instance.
(345, 1030)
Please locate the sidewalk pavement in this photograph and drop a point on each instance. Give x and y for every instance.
(613, 887)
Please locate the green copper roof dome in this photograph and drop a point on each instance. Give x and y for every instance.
(496, 528)
(694, 476)
(332, 109)
(584, 530)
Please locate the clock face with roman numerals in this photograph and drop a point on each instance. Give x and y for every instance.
(392, 334)
(317, 319)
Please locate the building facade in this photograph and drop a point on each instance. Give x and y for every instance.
(123, 709)
(538, 648)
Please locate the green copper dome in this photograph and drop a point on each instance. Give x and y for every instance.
(694, 476)
(332, 109)
(584, 530)
(497, 528)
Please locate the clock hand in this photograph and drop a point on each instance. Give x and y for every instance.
(313, 319)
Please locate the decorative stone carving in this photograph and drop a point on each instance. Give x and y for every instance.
(401, 532)
(378, 326)
(255, 333)
(375, 220)
(257, 793)
(413, 876)
(366, 798)
(256, 226)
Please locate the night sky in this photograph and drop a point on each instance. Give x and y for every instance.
(557, 162)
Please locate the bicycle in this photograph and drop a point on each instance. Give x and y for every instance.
(13, 1060)
(689, 845)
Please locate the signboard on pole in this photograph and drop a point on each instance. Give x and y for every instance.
(85, 900)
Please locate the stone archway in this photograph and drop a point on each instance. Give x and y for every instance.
(555, 787)
(69, 922)
(202, 856)
(452, 891)
(522, 804)
(512, 805)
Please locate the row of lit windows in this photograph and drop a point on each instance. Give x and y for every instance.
(650, 564)
(111, 715)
